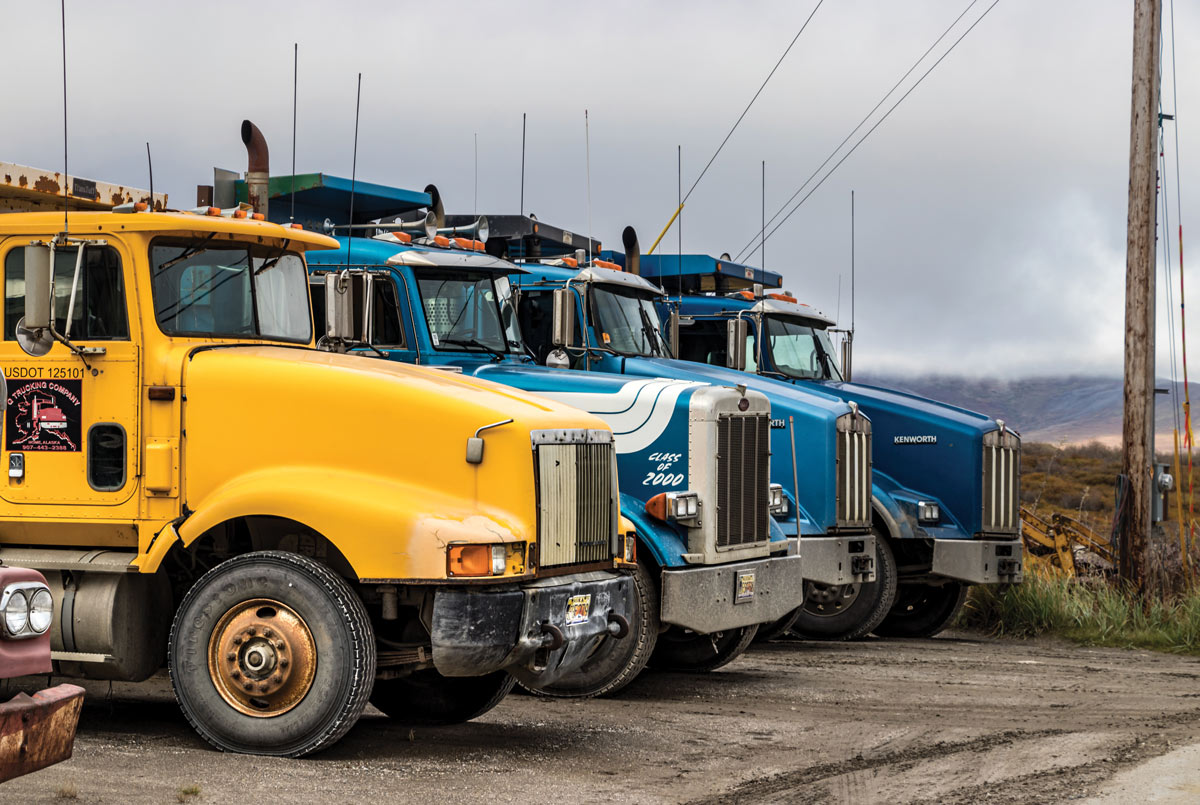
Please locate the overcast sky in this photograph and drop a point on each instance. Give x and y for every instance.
(991, 205)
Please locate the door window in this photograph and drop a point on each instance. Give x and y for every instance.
(99, 312)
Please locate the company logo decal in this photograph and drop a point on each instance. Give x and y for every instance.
(638, 413)
(925, 439)
(44, 416)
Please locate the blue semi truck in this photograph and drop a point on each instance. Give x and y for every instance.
(962, 527)
(693, 457)
(821, 445)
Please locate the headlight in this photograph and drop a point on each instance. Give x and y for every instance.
(928, 512)
(485, 559)
(16, 613)
(41, 611)
(674, 506)
(778, 503)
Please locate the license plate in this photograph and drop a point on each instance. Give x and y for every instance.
(578, 609)
(745, 588)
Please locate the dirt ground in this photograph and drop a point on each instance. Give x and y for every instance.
(957, 719)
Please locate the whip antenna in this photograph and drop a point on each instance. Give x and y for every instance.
(295, 87)
(64, 74)
(521, 209)
(353, 168)
(587, 140)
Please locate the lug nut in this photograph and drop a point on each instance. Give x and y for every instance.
(236, 674)
(279, 645)
(248, 686)
(231, 656)
(252, 631)
(262, 688)
(283, 663)
(266, 632)
(237, 641)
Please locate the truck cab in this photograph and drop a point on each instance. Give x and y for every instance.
(947, 480)
(693, 457)
(225, 499)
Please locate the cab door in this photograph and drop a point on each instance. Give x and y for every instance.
(70, 430)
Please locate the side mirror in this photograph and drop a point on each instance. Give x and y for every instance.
(37, 286)
(735, 344)
(563, 325)
(347, 306)
(673, 333)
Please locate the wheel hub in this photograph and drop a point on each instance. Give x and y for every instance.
(826, 599)
(262, 658)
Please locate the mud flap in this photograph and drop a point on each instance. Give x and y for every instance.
(38, 731)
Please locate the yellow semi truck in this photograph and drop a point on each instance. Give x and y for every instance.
(204, 489)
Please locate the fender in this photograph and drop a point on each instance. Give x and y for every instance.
(887, 510)
(394, 530)
(661, 540)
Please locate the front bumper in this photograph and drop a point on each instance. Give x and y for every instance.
(38, 731)
(718, 597)
(979, 561)
(839, 560)
(525, 630)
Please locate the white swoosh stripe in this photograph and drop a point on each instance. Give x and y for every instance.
(638, 413)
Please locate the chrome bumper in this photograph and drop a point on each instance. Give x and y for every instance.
(718, 597)
(839, 560)
(978, 561)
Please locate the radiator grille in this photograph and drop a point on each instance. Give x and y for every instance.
(743, 479)
(853, 471)
(1001, 482)
(576, 501)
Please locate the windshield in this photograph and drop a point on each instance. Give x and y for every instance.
(800, 350)
(627, 321)
(229, 289)
(462, 310)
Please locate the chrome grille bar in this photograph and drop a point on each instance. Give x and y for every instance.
(743, 480)
(853, 472)
(1001, 482)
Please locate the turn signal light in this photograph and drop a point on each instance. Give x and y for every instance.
(491, 559)
(442, 240)
(258, 216)
(571, 261)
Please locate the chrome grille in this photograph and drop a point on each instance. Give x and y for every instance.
(853, 471)
(577, 503)
(743, 479)
(1001, 482)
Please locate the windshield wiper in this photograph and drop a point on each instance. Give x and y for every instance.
(190, 251)
(648, 331)
(471, 342)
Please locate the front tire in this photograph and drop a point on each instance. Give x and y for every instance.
(850, 611)
(615, 663)
(271, 653)
(923, 610)
(683, 650)
(426, 698)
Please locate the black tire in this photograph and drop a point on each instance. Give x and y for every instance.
(682, 650)
(615, 663)
(429, 699)
(777, 629)
(849, 612)
(923, 610)
(340, 669)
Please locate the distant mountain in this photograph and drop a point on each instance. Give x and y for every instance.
(1074, 410)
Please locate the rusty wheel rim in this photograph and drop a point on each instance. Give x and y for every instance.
(262, 658)
(825, 600)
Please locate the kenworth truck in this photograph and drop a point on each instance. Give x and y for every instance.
(962, 528)
(292, 532)
(693, 457)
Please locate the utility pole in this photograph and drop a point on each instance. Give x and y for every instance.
(1138, 432)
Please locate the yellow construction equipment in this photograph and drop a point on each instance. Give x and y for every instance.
(1059, 545)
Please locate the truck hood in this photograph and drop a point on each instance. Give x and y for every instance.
(814, 414)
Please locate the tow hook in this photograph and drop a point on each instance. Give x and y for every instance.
(552, 637)
(1008, 567)
(862, 565)
(618, 626)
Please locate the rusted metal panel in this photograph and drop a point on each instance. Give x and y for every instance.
(26, 189)
(38, 731)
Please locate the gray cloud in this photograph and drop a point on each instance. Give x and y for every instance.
(991, 205)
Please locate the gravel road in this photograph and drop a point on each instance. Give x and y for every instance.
(957, 719)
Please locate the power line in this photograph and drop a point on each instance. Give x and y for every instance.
(862, 122)
(885, 117)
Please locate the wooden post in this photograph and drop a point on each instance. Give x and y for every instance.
(1138, 434)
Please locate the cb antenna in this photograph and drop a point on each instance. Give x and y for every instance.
(521, 210)
(587, 142)
(353, 169)
(295, 89)
(64, 76)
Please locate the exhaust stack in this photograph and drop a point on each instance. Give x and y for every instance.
(257, 166)
(633, 253)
